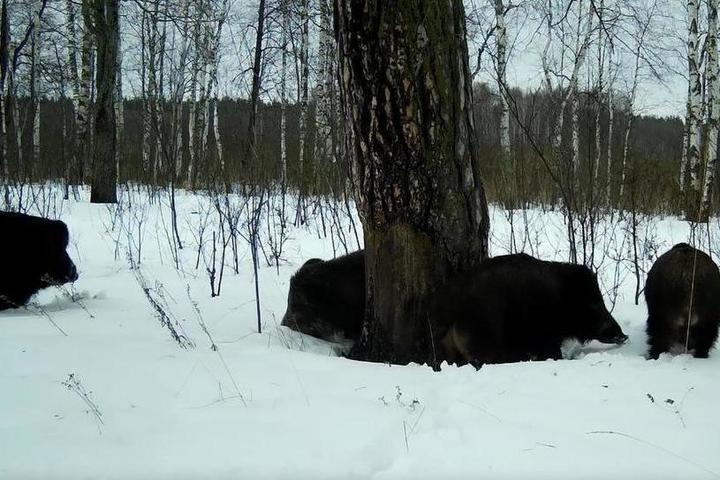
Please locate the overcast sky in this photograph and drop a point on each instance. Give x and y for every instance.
(665, 40)
(663, 96)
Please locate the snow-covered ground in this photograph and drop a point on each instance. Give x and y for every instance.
(116, 397)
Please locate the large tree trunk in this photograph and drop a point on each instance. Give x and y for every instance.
(408, 101)
(104, 178)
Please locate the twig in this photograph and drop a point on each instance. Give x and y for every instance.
(74, 385)
(658, 447)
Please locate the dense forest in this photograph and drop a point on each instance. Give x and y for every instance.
(652, 166)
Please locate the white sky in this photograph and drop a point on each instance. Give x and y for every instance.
(662, 96)
(665, 41)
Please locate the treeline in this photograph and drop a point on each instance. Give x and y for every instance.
(639, 166)
(620, 160)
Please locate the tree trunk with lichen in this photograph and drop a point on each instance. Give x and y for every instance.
(407, 96)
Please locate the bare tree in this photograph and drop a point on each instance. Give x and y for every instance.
(692, 157)
(713, 99)
(35, 49)
(72, 170)
(304, 74)
(83, 118)
(407, 95)
(4, 66)
(104, 178)
(643, 28)
(119, 105)
(611, 128)
(255, 92)
(501, 34)
(213, 84)
(285, 31)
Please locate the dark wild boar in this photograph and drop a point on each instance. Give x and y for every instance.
(516, 308)
(326, 299)
(32, 256)
(675, 324)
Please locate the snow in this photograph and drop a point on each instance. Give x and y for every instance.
(283, 405)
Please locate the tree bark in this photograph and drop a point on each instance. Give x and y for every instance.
(255, 92)
(214, 87)
(600, 93)
(285, 12)
(104, 181)
(83, 118)
(74, 80)
(581, 48)
(304, 74)
(713, 110)
(694, 106)
(407, 96)
(324, 113)
(501, 34)
(4, 59)
(35, 48)
(629, 111)
(611, 127)
(119, 105)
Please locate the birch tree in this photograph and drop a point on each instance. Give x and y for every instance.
(501, 34)
(199, 101)
(195, 66)
(582, 44)
(35, 49)
(304, 79)
(213, 85)
(600, 93)
(73, 171)
(611, 127)
(285, 30)
(407, 94)
(713, 99)
(152, 42)
(643, 28)
(693, 109)
(119, 105)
